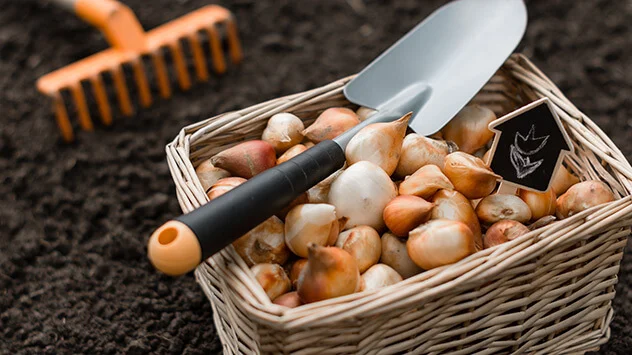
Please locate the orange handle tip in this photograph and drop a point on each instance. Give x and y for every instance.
(174, 249)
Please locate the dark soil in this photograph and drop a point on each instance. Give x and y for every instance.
(74, 277)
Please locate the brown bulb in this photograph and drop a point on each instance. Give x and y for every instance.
(503, 231)
(583, 196)
(406, 212)
(330, 124)
(330, 272)
(246, 159)
(440, 242)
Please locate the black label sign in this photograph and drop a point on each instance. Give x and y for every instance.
(529, 146)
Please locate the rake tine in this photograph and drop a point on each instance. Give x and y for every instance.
(234, 45)
(141, 82)
(160, 69)
(82, 107)
(102, 100)
(62, 117)
(121, 92)
(198, 57)
(180, 64)
(217, 53)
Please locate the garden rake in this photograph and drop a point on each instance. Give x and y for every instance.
(130, 45)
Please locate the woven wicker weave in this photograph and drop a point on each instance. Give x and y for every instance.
(547, 292)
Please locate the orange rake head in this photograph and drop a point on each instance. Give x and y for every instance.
(129, 45)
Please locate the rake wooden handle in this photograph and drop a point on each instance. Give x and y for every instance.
(116, 21)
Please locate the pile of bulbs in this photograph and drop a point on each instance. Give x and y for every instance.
(403, 203)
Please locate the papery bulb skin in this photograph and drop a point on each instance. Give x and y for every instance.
(562, 180)
(469, 128)
(246, 159)
(454, 206)
(440, 242)
(379, 143)
(209, 174)
(283, 131)
(395, 255)
(361, 193)
(425, 182)
(330, 272)
(379, 276)
(264, 243)
(502, 232)
(583, 196)
(406, 212)
(469, 175)
(272, 278)
(310, 223)
(419, 151)
(289, 300)
(330, 124)
(541, 203)
(224, 185)
(497, 207)
(363, 243)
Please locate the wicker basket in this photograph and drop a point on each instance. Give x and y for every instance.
(547, 292)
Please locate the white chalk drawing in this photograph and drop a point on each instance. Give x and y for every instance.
(520, 157)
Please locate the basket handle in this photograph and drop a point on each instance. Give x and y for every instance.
(181, 244)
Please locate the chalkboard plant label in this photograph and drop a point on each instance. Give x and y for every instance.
(529, 146)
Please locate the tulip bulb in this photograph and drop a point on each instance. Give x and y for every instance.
(418, 151)
(563, 180)
(291, 153)
(379, 143)
(283, 131)
(582, 196)
(263, 244)
(289, 300)
(378, 276)
(363, 243)
(246, 159)
(364, 113)
(296, 269)
(330, 272)
(320, 192)
(469, 175)
(454, 206)
(469, 128)
(440, 242)
(209, 174)
(542, 222)
(497, 207)
(541, 203)
(300, 200)
(361, 193)
(503, 231)
(425, 182)
(395, 255)
(272, 278)
(310, 223)
(224, 185)
(330, 124)
(406, 212)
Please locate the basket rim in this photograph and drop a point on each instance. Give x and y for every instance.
(474, 268)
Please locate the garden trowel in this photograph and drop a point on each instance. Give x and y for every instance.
(430, 73)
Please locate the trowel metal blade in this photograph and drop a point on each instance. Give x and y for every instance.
(437, 67)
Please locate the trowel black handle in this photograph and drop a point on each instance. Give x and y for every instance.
(179, 245)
